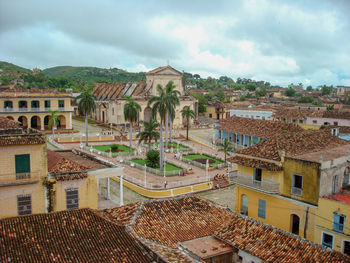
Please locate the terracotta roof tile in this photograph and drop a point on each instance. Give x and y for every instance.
(19, 136)
(6, 123)
(250, 162)
(59, 164)
(67, 236)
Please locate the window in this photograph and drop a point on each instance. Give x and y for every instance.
(72, 197)
(335, 184)
(295, 221)
(297, 184)
(257, 175)
(112, 111)
(314, 121)
(61, 103)
(294, 120)
(47, 104)
(327, 240)
(346, 247)
(24, 204)
(210, 115)
(244, 210)
(35, 104)
(338, 223)
(300, 121)
(336, 123)
(22, 164)
(262, 209)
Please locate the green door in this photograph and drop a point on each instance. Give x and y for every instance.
(22, 163)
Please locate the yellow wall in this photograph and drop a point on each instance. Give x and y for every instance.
(278, 211)
(311, 180)
(324, 221)
(308, 127)
(8, 194)
(271, 176)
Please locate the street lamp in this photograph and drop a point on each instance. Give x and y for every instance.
(145, 174)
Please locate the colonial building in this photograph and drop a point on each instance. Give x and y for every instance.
(111, 96)
(31, 107)
(279, 181)
(23, 167)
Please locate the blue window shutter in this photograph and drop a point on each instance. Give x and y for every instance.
(262, 208)
(22, 162)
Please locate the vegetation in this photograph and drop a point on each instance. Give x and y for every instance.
(79, 118)
(152, 159)
(193, 157)
(149, 132)
(107, 148)
(131, 112)
(226, 147)
(53, 120)
(306, 99)
(188, 114)
(202, 102)
(290, 92)
(114, 147)
(12, 68)
(168, 166)
(86, 105)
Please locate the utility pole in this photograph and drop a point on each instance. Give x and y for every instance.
(306, 221)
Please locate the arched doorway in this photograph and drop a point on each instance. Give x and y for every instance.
(147, 113)
(24, 122)
(46, 122)
(244, 209)
(10, 117)
(62, 122)
(35, 122)
(294, 224)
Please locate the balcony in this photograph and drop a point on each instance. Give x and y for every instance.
(297, 191)
(262, 186)
(14, 110)
(19, 178)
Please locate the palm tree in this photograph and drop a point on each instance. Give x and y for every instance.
(53, 120)
(172, 100)
(226, 147)
(188, 114)
(149, 132)
(159, 107)
(86, 105)
(131, 112)
(172, 117)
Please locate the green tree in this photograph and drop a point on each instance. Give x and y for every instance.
(152, 159)
(326, 90)
(202, 101)
(53, 120)
(131, 112)
(261, 92)
(149, 132)
(290, 92)
(251, 86)
(306, 99)
(172, 100)
(159, 106)
(226, 147)
(309, 88)
(330, 107)
(86, 106)
(188, 114)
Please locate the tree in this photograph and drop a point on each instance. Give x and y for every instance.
(290, 92)
(149, 132)
(330, 107)
(306, 99)
(309, 88)
(226, 147)
(188, 114)
(86, 105)
(326, 90)
(172, 100)
(251, 86)
(159, 107)
(53, 120)
(152, 159)
(261, 92)
(202, 101)
(131, 112)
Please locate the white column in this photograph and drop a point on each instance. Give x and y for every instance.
(108, 188)
(145, 167)
(98, 185)
(121, 191)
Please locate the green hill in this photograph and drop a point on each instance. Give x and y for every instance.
(11, 68)
(92, 75)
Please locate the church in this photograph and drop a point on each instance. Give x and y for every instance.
(111, 97)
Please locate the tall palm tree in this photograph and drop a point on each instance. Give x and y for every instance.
(159, 107)
(149, 132)
(172, 117)
(131, 112)
(53, 121)
(188, 114)
(172, 100)
(86, 105)
(226, 147)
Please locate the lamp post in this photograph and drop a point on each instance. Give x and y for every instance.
(121, 191)
(145, 173)
(206, 169)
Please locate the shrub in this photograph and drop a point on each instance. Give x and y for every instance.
(204, 161)
(114, 147)
(152, 159)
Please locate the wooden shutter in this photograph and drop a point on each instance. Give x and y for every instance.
(22, 163)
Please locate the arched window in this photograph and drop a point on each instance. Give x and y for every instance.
(294, 224)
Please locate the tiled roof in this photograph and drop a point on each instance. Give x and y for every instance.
(343, 197)
(274, 245)
(256, 127)
(116, 90)
(15, 91)
(6, 123)
(67, 236)
(250, 162)
(19, 136)
(290, 113)
(120, 215)
(58, 164)
(293, 144)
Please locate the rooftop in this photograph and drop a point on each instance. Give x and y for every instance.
(6, 123)
(256, 127)
(117, 90)
(15, 91)
(159, 69)
(342, 197)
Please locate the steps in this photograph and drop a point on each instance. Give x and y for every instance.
(220, 181)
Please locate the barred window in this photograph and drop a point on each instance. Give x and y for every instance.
(24, 204)
(72, 198)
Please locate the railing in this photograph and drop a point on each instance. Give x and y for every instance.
(297, 191)
(33, 109)
(246, 180)
(161, 185)
(13, 178)
(105, 154)
(203, 166)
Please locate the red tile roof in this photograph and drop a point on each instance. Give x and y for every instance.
(19, 136)
(67, 236)
(256, 127)
(6, 123)
(343, 197)
(58, 164)
(272, 244)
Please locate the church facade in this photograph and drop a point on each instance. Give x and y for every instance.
(111, 97)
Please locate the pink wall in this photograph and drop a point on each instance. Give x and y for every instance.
(321, 121)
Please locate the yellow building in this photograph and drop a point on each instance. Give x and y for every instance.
(333, 222)
(217, 111)
(73, 180)
(279, 180)
(23, 167)
(31, 107)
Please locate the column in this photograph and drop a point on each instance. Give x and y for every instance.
(121, 191)
(108, 188)
(42, 127)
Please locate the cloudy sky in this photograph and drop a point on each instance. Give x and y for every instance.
(272, 40)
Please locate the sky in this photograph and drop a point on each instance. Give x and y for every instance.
(278, 41)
